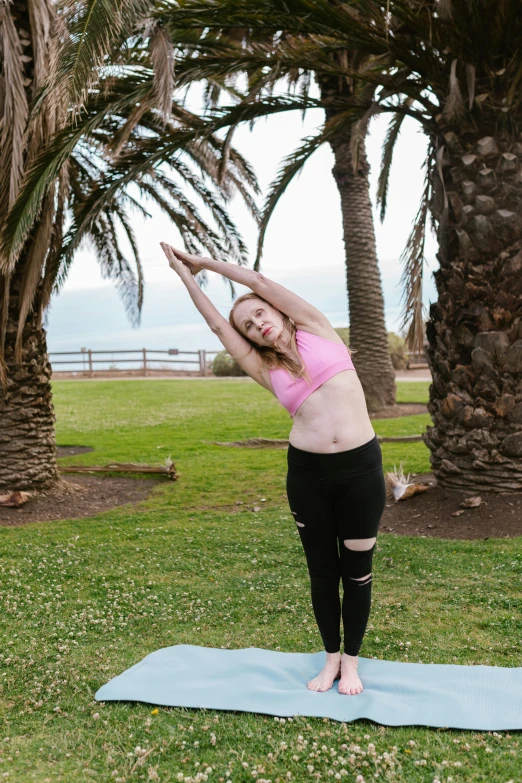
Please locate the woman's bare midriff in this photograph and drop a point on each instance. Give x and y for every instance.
(334, 417)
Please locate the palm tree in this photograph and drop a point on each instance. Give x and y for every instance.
(89, 132)
(454, 66)
(224, 52)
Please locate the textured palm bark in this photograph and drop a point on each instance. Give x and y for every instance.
(368, 333)
(475, 327)
(27, 434)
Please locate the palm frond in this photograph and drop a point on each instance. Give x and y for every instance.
(454, 106)
(162, 56)
(131, 289)
(291, 165)
(184, 216)
(52, 262)
(151, 154)
(46, 169)
(15, 110)
(135, 167)
(102, 85)
(44, 42)
(113, 264)
(388, 147)
(300, 17)
(32, 269)
(225, 154)
(413, 259)
(122, 136)
(285, 61)
(210, 201)
(95, 27)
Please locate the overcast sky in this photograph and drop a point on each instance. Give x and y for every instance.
(305, 233)
(304, 248)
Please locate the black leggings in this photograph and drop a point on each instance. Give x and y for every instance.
(334, 497)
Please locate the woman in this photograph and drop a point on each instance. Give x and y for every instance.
(335, 482)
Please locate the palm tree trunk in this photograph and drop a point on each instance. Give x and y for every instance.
(368, 334)
(475, 329)
(27, 435)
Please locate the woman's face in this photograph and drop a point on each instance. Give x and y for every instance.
(258, 321)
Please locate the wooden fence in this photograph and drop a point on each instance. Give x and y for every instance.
(417, 359)
(145, 362)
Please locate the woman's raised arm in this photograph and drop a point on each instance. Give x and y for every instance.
(233, 271)
(239, 348)
(239, 274)
(299, 310)
(210, 313)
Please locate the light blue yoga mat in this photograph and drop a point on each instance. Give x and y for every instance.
(486, 698)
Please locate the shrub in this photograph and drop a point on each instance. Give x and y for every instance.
(398, 352)
(224, 364)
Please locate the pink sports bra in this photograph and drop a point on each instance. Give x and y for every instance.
(323, 359)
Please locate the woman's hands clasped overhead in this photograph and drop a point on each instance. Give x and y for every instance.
(185, 264)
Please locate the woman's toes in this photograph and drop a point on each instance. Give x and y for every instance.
(350, 684)
(324, 679)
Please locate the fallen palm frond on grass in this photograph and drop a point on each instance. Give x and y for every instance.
(255, 443)
(400, 487)
(167, 469)
(14, 499)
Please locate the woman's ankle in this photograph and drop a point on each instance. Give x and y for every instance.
(332, 656)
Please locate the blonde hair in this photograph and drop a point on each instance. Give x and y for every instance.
(271, 357)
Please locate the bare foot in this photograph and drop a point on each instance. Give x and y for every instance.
(349, 683)
(325, 679)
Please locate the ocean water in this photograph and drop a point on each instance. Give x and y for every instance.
(95, 318)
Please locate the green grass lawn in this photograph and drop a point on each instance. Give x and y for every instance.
(83, 600)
